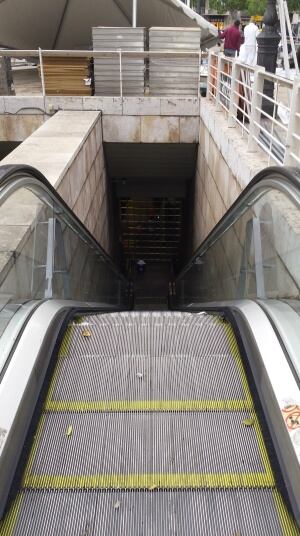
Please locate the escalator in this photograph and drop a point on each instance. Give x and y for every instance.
(120, 421)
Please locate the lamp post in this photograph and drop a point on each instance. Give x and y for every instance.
(267, 43)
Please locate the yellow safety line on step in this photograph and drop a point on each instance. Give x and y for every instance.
(262, 448)
(9, 523)
(65, 345)
(63, 353)
(236, 355)
(53, 382)
(34, 447)
(260, 440)
(147, 405)
(287, 522)
(150, 481)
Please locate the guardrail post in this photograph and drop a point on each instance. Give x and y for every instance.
(218, 88)
(209, 65)
(256, 105)
(42, 72)
(234, 98)
(134, 13)
(121, 74)
(291, 146)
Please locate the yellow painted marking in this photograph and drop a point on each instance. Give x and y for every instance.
(8, 525)
(236, 355)
(63, 352)
(147, 405)
(262, 448)
(36, 442)
(260, 440)
(287, 522)
(53, 381)
(65, 345)
(149, 480)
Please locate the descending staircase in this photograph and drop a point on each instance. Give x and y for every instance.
(149, 428)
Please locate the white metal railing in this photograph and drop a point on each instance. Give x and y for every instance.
(121, 56)
(238, 91)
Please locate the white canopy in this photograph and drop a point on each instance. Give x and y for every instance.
(67, 24)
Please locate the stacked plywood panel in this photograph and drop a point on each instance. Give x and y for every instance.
(174, 76)
(66, 75)
(107, 70)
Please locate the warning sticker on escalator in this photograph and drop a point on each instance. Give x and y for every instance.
(291, 415)
(292, 419)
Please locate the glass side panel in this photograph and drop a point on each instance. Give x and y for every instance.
(256, 256)
(45, 253)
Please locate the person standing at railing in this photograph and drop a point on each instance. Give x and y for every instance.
(248, 51)
(232, 39)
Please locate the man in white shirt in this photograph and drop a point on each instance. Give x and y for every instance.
(249, 48)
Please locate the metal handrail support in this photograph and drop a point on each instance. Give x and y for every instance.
(253, 237)
(50, 258)
(218, 88)
(235, 76)
(293, 123)
(256, 105)
(209, 66)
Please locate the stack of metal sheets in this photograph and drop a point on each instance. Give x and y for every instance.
(174, 76)
(107, 70)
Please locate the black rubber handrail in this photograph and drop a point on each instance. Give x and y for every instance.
(289, 175)
(9, 173)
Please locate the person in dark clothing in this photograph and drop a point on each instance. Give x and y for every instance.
(232, 39)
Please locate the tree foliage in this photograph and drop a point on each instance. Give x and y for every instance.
(254, 7)
(222, 6)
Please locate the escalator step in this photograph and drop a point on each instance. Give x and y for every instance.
(150, 513)
(149, 428)
(140, 450)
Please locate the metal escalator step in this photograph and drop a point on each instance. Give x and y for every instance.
(151, 334)
(158, 407)
(140, 450)
(98, 378)
(241, 512)
(210, 375)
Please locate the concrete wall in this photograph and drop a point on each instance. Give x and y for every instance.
(224, 168)
(68, 150)
(135, 119)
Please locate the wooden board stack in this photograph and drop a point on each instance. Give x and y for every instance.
(65, 76)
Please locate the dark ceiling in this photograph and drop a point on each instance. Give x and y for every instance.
(150, 169)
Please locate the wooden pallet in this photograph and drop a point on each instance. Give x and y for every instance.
(65, 76)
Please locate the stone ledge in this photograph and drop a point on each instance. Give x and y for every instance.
(54, 146)
(164, 106)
